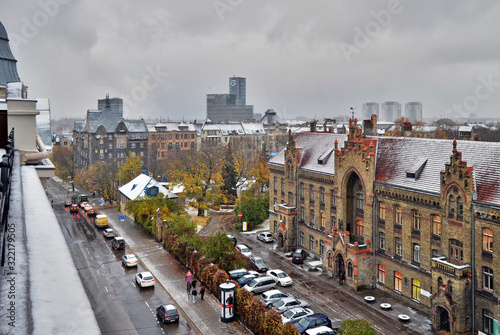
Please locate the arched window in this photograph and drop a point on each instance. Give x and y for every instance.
(289, 170)
(416, 253)
(460, 206)
(440, 282)
(436, 225)
(452, 205)
(349, 270)
(275, 184)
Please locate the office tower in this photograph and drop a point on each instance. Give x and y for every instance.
(391, 111)
(413, 111)
(370, 108)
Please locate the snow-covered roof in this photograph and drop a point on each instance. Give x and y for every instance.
(139, 185)
(465, 128)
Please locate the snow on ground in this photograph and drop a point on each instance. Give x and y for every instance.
(59, 304)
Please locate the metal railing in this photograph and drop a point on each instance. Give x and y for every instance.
(5, 177)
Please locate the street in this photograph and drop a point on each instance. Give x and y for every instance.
(119, 305)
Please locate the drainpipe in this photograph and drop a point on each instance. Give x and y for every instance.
(297, 215)
(473, 265)
(374, 239)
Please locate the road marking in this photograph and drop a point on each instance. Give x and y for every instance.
(133, 284)
(98, 271)
(147, 304)
(92, 258)
(106, 289)
(87, 250)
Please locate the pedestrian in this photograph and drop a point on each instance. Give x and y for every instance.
(202, 291)
(193, 283)
(188, 286)
(194, 293)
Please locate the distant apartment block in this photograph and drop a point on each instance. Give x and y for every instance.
(232, 106)
(369, 109)
(390, 111)
(413, 111)
(171, 137)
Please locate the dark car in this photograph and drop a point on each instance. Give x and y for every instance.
(259, 263)
(68, 203)
(242, 281)
(167, 313)
(298, 256)
(118, 243)
(235, 274)
(233, 239)
(312, 321)
(74, 208)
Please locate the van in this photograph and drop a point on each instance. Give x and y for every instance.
(298, 256)
(101, 220)
(260, 284)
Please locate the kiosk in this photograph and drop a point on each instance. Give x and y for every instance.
(227, 300)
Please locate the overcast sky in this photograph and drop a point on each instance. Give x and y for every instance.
(312, 58)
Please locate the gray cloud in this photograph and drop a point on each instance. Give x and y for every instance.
(290, 51)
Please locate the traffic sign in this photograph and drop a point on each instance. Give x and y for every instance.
(240, 215)
(122, 217)
(189, 279)
(189, 274)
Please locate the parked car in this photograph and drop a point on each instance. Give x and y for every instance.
(118, 243)
(260, 284)
(74, 208)
(295, 314)
(235, 274)
(129, 260)
(242, 281)
(298, 256)
(285, 304)
(145, 279)
(312, 321)
(244, 250)
(271, 296)
(259, 263)
(167, 313)
(281, 276)
(108, 232)
(266, 237)
(322, 330)
(232, 238)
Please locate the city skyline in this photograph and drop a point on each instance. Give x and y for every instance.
(311, 60)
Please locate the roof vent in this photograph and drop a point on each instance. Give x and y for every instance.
(324, 156)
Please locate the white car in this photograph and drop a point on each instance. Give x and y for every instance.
(266, 237)
(281, 277)
(145, 279)
(295, 314)
(285, 304)
(244, 250)
(108, 232)
(129, 260)
(271, 296)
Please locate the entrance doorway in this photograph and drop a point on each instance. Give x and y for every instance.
(444, 319)
(339, 266)
(280, 240)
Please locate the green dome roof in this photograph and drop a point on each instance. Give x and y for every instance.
(8, 68)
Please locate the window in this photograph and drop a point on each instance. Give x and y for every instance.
(456, 252)
(312, 216)
(436, 253)
(349, 270)
(283, 185)
(275, 184)
(488, 321)
(321, 248)
(322, 195)
(289, 169)
(436, 225)
(132, 145)
(275, 226)
(302, 190)
(415, 289)
(334, 221)
(381, 211)
(330, 260)
(416, 220)
(381, 274)
(460, 207)
(399, 246)
(311, 243)
(110, 146)
(360, 201)
(359, 228)
(290, 199)
(398, 281)
(302, 213)
(399, 215)
(452, 205)
(110, 137)
(301, 239)
(323, 220)
(141, 145)
(487, 278)
(487, 239)
(416, 253)
(311, 188)
(176, 136)
(334, 199)
(382, 240)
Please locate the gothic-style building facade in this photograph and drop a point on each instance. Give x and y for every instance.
(417, 218)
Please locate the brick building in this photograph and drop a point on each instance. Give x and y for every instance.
(417, 218)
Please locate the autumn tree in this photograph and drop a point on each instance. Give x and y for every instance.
(130, 169)
(63, 160)
(100, 177)
(200, 172)
(146, 208)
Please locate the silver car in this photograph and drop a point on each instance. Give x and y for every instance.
(271, 296)
(285, 304)
(266, 237)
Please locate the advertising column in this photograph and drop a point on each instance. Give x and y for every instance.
(227, 301)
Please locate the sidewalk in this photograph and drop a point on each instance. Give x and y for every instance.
(204, 314)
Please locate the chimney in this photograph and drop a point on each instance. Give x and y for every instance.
(313, 126)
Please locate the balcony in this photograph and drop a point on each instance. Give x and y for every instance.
(457, 270)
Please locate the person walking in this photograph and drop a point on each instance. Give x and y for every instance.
(188, 286)
(202, 291)
(194, 293)
(193, 283)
